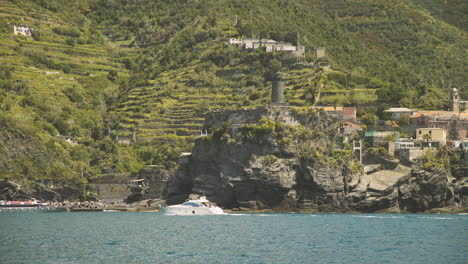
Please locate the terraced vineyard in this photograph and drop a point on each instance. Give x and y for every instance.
(167, 112)
(58, 71)
(173, 111)
(170, 109)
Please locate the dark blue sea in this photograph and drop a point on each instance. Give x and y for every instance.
(119, 237)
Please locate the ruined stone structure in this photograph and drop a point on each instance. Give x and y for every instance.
(320, 52)
(112, 187)
(156, 179)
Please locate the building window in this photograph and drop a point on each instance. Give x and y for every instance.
(430, 131)
(419, 132)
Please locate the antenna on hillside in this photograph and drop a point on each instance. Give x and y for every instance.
(298, 44)
(251, 27)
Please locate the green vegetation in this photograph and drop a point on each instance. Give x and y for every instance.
(436, 159)
(106, 72)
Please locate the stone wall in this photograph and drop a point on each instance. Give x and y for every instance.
(248, 116)
(111, 192)
(111, 187)
(411, 154)
(156, 180)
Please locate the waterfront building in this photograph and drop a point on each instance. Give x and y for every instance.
(434, 134)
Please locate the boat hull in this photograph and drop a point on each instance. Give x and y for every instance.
(192, 211)
(40, 209)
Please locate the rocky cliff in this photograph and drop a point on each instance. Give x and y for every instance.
(10, 190)
(308, 166)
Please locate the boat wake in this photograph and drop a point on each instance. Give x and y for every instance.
(442, 218)
(377, 216)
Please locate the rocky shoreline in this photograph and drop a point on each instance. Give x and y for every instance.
(309, 167)
(270, 166)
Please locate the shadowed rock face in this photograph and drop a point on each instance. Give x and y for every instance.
(13, 191)
(265, 172)
(259, 172)
(425, 190)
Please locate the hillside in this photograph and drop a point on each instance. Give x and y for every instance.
(109, 72)
(453, 12)
(56, 84)
(394, 54)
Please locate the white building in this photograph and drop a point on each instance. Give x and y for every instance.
(400, 111)
(237, 42)
(270, 45)
(22, 30)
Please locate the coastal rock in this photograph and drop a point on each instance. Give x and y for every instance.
(425, 190)
(306, 168)
(13, 191)
(254, 167)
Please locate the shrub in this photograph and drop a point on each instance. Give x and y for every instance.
(269, 160)
(73, 94)
(5, 72)
(67, 31)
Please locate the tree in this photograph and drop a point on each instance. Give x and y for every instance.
(404, 120)
(369, 119)
(427, 137)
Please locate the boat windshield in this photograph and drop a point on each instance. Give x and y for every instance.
(192, 204)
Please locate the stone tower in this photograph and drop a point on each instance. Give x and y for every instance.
(320, 52)
(277, 93)
(454, 103)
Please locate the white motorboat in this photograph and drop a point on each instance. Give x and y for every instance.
(199, 206)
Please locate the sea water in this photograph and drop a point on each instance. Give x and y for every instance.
(121, 237)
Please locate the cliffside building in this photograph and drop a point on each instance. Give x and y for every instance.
(397, 113)
(379, 138)
(435, 134)
(341, 112)
(269, 45)
(455, 123)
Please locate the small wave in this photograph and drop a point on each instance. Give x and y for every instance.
(440, 217)
(377, 216)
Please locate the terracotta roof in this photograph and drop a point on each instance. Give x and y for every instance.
(329, 108)
(351, 124)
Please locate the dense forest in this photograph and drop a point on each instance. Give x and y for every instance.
(106, 72)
